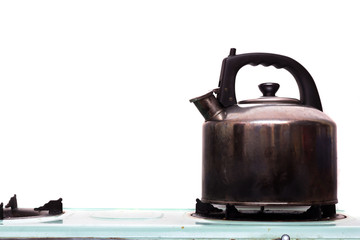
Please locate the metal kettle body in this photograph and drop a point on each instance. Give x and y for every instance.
(271, 150)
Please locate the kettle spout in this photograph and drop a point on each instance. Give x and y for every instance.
(209, 106)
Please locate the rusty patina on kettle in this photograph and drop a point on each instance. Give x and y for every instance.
(270, 150)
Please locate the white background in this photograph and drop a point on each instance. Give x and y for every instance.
(94, 94)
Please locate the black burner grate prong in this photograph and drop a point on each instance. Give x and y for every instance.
(328, 211)
(1, 211)
(54, 207)
(314, 212)
(12, 203)
(231, 212)
(207, 209)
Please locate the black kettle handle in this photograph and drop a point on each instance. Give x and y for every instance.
(231, 65)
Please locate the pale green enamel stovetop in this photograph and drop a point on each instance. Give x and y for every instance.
(168, 224)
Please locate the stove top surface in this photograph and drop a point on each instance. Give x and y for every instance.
(169, 224)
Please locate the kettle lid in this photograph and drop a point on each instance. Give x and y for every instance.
(269, 90)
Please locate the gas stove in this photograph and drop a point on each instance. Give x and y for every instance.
(51, 222)
(269, 172)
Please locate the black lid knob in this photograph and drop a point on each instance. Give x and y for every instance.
(269, 89)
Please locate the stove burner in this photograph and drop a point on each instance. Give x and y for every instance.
(11, 210)
(231, 212)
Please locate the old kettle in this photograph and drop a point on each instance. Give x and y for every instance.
(271, 150)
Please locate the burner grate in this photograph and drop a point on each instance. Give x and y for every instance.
(11, 210)
(231, 212)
